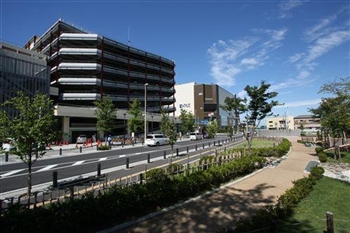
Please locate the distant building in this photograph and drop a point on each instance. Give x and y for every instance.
(308, 123)
(87, 66)
(21, 70)
(203, 101)
(280, 123)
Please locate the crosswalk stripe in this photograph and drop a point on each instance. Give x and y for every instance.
(47, 168)
(102, 159)
(11, 172)
(78, 163)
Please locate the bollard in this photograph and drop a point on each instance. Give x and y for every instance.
(330, 224)
(54, 179)
(81, 149)
(148, 158)
(164, 154)
(196, 147)
(209, 143)
(187, 150)
(60, 151)
(127, 163)
(99, 169)
(97, 147)
(203, 145)
(6, 156)
(177, 151)
(140, 178)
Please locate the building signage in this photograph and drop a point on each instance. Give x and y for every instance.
(188, 105)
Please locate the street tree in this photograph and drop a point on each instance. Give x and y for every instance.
(32, 129)
(334, 111)
(168, 127)
(106, 114)
(187, 121)
(212, 128)
(136, 122)
(258, 107)
(237, 106)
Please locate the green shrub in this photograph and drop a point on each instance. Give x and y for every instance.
(103, 147)
(156, 174)
(174, 168)
(318, 149)
(317, 172)
(322, 156)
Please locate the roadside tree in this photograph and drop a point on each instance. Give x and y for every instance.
(212, 128)
(187, 121)
(106, 114)
(136, 122)
(31, 129)
(237, 105)
(258, 108)
(168, 127)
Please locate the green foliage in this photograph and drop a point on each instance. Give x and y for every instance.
(32, 129)
(212, 128)
(136, 122)
(237, 105)
(174, 168)
(317, 172)
(156, 174)
(105, 113)
(187, 121)
(318, 149)
(103, 147)
(169, 129)
(258, 107)
(322, 156)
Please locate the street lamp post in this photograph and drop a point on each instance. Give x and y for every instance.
(124, 131)
(145, 131)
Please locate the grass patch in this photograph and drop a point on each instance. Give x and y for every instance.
(328, 195)
(257, 143)
(345, 157)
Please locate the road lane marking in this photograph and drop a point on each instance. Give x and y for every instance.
(78, 163)
(47, 168)
(102, 159)
(121, 156)
(11, 172)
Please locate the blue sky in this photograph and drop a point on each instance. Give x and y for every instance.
(296, 46)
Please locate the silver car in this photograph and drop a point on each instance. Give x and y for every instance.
(82, 138)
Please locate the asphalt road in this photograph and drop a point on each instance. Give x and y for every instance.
(13, 176)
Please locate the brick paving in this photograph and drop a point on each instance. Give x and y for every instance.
(217, 210)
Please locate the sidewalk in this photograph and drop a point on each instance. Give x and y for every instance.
(217, 210)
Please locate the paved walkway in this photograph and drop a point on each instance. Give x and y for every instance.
(217, 210)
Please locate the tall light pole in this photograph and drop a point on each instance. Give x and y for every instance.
(145, 131)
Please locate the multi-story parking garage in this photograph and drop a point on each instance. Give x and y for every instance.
(85, 67)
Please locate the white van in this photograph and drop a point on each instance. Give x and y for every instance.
(196, 136)
(156, 140)
(8, 145)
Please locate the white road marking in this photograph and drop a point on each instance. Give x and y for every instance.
(102, 159)
(11, 172)
(47, 168)
(121, 156)
(78, 163)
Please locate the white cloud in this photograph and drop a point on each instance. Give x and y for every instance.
(228, 59)
(287, 6)
(296, 57)
(301, 80)
(300, 103)
(325, 44)
(320, 29)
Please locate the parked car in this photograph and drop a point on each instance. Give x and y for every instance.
(82, 138)
(8, 145)
(156, 140)
(196, 136)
